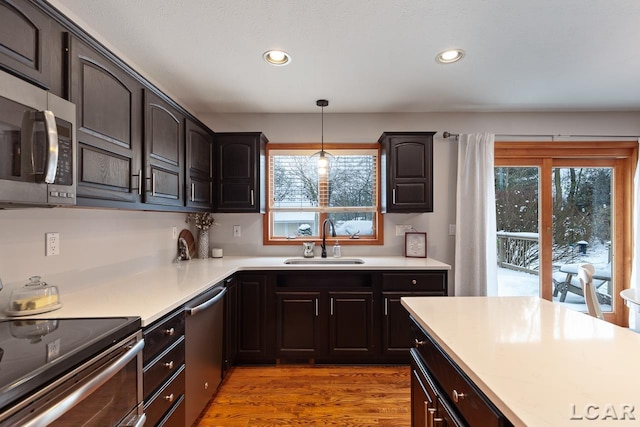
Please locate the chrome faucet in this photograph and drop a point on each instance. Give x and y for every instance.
(324, 235)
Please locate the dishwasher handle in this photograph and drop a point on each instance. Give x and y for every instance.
(208, 303)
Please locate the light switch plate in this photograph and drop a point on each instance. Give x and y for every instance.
(237, 231)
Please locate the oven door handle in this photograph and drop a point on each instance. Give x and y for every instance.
(208, 303)
(59, 409)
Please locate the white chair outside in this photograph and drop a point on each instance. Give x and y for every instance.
(585, 274)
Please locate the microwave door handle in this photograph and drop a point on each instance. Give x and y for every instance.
(51, 137)
(53, 413)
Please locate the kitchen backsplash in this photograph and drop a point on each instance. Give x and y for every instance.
(95, 243)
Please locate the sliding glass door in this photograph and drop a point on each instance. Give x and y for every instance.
(561, 205)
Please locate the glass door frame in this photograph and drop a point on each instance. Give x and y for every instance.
(622, 157)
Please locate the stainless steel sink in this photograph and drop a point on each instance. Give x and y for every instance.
(321, 261)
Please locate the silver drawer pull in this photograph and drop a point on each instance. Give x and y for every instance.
(169, 398)
(169, 332)
(169, 365)
(457, 397)
(418, 343)
(414, 282)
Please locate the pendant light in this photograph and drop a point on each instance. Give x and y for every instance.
(323, 161)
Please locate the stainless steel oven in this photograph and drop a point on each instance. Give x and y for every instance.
(37, 146)
(52, 375)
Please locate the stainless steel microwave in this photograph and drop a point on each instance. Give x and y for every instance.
(37, 146)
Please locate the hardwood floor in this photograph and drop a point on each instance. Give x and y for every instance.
(287, 396)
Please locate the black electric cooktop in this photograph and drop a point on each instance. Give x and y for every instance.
(33, 352)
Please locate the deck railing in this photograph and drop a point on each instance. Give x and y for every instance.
(518, 251)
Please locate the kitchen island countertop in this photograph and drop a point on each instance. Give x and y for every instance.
(540, 363)
(154, 291)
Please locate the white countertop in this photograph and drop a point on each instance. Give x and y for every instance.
(151, 292)
(540, 363)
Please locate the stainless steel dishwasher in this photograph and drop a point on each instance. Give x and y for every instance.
(204, 326)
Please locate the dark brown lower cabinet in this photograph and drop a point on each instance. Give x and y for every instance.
(327, 316)
(254, 321)
(351, 324)
(442, 394)
(298, 324)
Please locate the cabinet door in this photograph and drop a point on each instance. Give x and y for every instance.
(164, 152)
(109, 116)
(31, 45)
(351, 323)
(239, 172)
(297, 324)
(252, 318)
(199, 189)
(397, 337)
(409, 170)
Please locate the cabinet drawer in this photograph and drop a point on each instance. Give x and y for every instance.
(435, 282)
(160, 336)
(175, 417)
(163, 366)
(471, 403)
(165, 398)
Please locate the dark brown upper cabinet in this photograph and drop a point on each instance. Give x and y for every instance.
(109, 117)
(407, 159)
(163, 152)
(239, 171)
(199, 167)
(31, 45)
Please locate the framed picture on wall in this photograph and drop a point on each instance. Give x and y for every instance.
(415, 244)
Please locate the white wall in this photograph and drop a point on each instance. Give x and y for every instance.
(96, 240)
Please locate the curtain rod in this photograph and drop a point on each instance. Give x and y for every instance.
(447, 135)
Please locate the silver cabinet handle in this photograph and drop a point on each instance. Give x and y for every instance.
(139, 182)
(332, 306)
(418, 343)
(457, 397)
(386, 306)
(193, 191)
(194, 310)
(252, 199)
(153, 183)
(169, 331)
(414, 282)
(60, 408)
(169, 398)
(316, 307)
(393, 196)
(52, 146)
(169, 365)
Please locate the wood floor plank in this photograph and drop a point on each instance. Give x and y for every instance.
(288, 396)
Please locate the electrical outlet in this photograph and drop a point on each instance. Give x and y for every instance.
(174, 233)
(52, 244)
(237, 231)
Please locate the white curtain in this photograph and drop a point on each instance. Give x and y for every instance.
(634, 322)
(476, 259)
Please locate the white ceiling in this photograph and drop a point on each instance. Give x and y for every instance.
(369, 56)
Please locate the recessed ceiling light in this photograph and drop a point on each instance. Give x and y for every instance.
(450, 56)
(276, 57)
